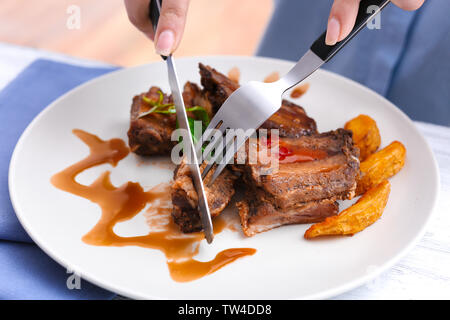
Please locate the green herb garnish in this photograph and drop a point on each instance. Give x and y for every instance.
(169, 108)
(157, 106)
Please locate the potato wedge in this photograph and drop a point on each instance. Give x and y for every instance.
(381, 166)
(356, 218)
(365, 135)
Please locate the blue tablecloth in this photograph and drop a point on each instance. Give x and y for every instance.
(26, 272)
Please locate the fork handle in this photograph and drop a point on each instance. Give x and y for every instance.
(365, 14)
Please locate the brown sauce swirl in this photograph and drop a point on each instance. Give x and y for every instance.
(274, 76)
(299, 90)
(234, 74)
(122, 203)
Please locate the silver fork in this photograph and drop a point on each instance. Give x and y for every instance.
(254, 102)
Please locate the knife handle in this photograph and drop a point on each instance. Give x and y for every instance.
(153, 13)
(326, 52)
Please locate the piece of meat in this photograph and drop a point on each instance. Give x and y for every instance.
(260, 216)
(150, 135)
(290, 119)
(328, 168)
(185, 198)
(193, 96)
(318, 170)
(216, 85)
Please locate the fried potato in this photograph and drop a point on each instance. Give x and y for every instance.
(365, 135)
(356, 218)
(381, 166)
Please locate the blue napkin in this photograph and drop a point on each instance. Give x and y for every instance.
(25, 271)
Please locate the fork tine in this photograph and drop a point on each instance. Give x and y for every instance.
(229, 140)
(229, 155)
(207, 169)
(209, 131)
(216, 144)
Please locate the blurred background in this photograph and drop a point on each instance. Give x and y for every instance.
(105, 34)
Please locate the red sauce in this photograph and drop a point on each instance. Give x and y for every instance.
(291, 154)
(123, 203)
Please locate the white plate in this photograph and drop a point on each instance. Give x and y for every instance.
(285, 265)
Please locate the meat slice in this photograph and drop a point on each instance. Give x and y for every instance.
(313, 172)
(217, 86)
(317, 167)
(185, 198)
(150, 135)
(291, 119)
(193, 96)
(260, 216)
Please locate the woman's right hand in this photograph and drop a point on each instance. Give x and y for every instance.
(343, 16)
(170, 25)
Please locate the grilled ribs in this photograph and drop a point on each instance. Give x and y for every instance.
(291, 120)
(150, 135)
(259, 216)
(320, 169)
(328, 167)
(185, 198)
(298, 192)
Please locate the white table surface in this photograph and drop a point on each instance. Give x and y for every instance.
(424, 273)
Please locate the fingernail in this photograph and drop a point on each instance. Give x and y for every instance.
(333, 31)
(165, 43)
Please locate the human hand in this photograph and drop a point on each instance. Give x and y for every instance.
(170, 25)
(343, 16)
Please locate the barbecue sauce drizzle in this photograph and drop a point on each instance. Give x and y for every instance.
(122, 203)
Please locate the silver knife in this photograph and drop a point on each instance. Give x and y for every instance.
(205, 215)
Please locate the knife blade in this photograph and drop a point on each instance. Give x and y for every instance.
(183, 123)
(189, 149)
